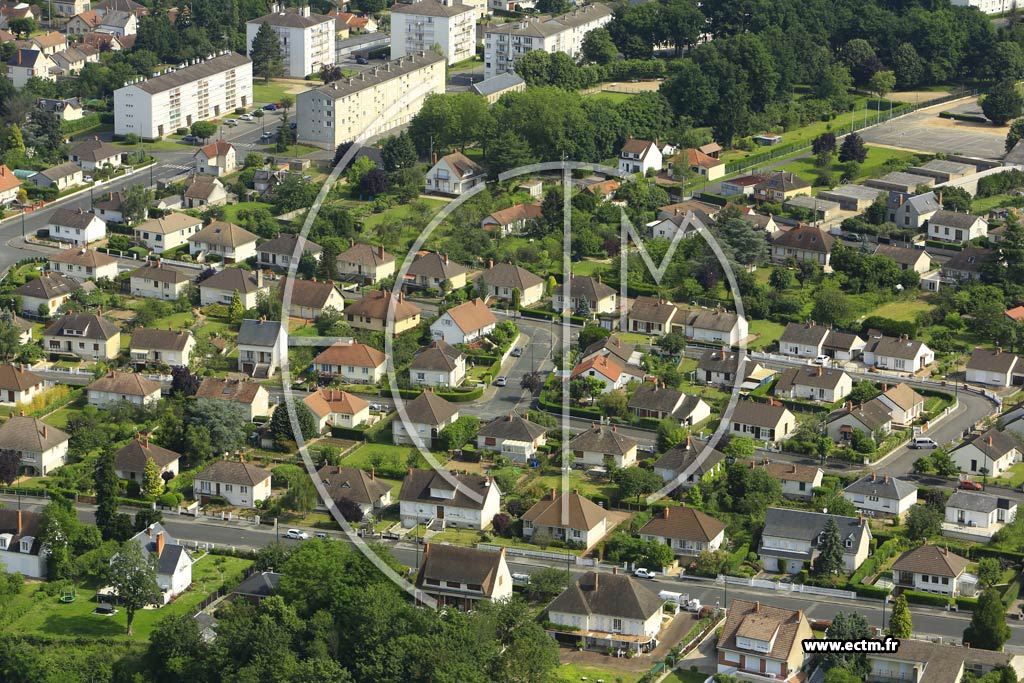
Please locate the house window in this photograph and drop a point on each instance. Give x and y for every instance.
(616, 624)
(228, 488)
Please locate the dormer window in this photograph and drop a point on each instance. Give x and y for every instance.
(821, 537)
(5, 540)
(849, 543)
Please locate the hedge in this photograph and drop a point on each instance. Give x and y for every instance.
(404, 393)
(544, 403)
(73, 395)
(461, 396)
(937, 244)
(921, 598)
(972, 118)
(1011, 592)
(968, 604)
(738, 557)
(976, 552)
(361, 433)
(539, 314)
(865, 591)
(87, 121)
(881, 554)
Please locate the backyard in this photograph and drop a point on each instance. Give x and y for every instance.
(874, 166)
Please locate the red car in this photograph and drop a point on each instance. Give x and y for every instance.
(969, 485)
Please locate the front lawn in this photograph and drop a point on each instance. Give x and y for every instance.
(48, 616)
(767, 332)
(1014, 477)
(579, 672)
(394, 457)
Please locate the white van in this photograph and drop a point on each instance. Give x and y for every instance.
(922, 442)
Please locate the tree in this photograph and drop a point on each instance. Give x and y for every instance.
(826, 142)
(533, 381)
(841, 675)
(923, 521)
(398, 151)
(374, 183)
(134, 579)
(781, 279)
(900, 623)
(23, 26)
(907, 66)
(853, 149)
(350, 510)
(458, 433)
(301, 495)
(10, 463)
(176, 650)
(830, 550)
(831, 307)
(105, 487)
(267, 60)
(633, 481)
(598, 47)
(739, 447)
(990, 572)
(183, 381)
(10, 336)
(546, 584)
(591, 334)
(956, 199)
(359, 167)
(988, 629)
(847, 627)
(203, 129)
(281, 424)
(944, 464)
(1003, 102)
(1015, 133)
(742, 245)
(152, 482)
(882, 83)
(136, 198)
(236, 310)
(213, 426)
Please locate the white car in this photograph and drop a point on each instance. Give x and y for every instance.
(822, 360)
(246, 117)
(297, 534)
(232, 122)
(642, 573)
(87, 179)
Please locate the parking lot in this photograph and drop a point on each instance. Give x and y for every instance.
(924, 131)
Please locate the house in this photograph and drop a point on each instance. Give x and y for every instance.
(237, 482)
(512, 221)
(968, 264)
(201, 190)
(130, 462)
(306, 40)
(169, 558)
(216, 159)
(744, 185)
(881, 495)
(467, 501)
(825, 385)
(703, 165)
(9, 186)
(254, 590)
(161, 347)
(798, 481)
(365, 263)
(687, 531)
(575, 519)
(41, 448)
(655, 401)
(600, 444)
(423, 419)
(716, 325)
(803, 244)
(82, 23)
(989, 454)
(687, 223)
(154, 280)
(352, 361)
(587, 296)
(167, 232)
(459, 578)
(513, 436)
(871, 418)
(262, 344)
(994, 368)
(104, 6)
(780, 186)
(117, 387)
(70, 61)
(912, 212)
(223, 242)
(252, 396)
(906, 404)
(45, 294)
(355, 22)
(933, 569)
(613, 346)
(76, 227)
(93, 154)
(941, 662)
(63, 176)
(356, 486)
(309, 298)
(604, 189)
(24, 327)
(222, 287)
(768, 422)
(491, 89)
(434, 271)
(977, 516)
(650, 315)
(843, 346)
(956, 227)
(607, 371)
(718, 366)
(944, 171)
(792, 537)
(381, 312)
(639, 156)
(608, 612)
(762, 223)
(464, 323)
(439, 364)
(18, 385)
(86, 336)
(28, 63)
(283, 250)
(763, 641)
(337, 408)
(916, 260)
(503, 280)
(118, 23)
(84, 264)
(901, 354)
(852, 197)
(454, 174)
(816, 207)
(687, 464)
(21, 550)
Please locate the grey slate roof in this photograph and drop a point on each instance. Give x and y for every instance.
(232, 279)
(29, 434)
(758, 414)
(394, 69)
(882, 486)
(613, 595)
(993, 443)
(802, 525)
(285, 244)
(681, 456)
(601, 439)
(651, 396)
(987, 360)
(807, 376)
(259, 332)
(349, 483)
(164, 340)
(592, 289)
(469, 566)
(173, 551)
(190, 74)
(438, 355)
(954, 219)
(417, 485)
(258, 585)
(511, 276)
(83, 325)
(611, 346)
(925, 203)
(430, 409)
(512, 427)
(133, 457)
(808, 334)
(233, 472)
(978, 502)
(490, 86)
(873, 414)
(48, 286)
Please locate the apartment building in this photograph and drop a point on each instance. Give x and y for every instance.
(201, 90)
(506, 43)
(418, 26)
(307, 40)
(370, 103)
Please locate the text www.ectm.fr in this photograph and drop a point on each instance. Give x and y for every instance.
(829, 646)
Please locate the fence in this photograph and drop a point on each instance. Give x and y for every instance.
(539, 554)
(787, 587)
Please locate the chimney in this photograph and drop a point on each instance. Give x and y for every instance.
(373, 473)
(664, 512)
(999, 349)
(435, 153)
(722, 352)
(553, 494)
(989, 440)
(940, 199)
(757, 607)
(490, 263)
(446, 259)
(819, 371)
(160, 541)
(792, 468)
(872, 476)
(241, 458)
(149, 531)
(45, 430)
(885, 480)
(595, 580)
(20, 527)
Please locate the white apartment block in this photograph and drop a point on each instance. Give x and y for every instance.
(506, 43)
(419, 26)
(988, 6)
(307, 40)
(202, 90)
(371, 103)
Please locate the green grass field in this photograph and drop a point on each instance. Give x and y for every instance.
(613, 97)
(871, 168)
(589, 268)
(400, 214)
(362, 457)
(1014, 476)
(59, 418)
(265, 93)
(982, 206)
(902, 310)
(231, 211)
(767, 331)
(578, 672)
(293, 150)
(50, 617)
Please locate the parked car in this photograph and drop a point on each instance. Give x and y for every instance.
(246, 117)
(922, 442)
(297, 534)
(321, 535)
(362, 60)
(501, 381)
(293, 125)
(87, 179)
(516, 352)
(270, 107)
(821, 360)
(267, 136)
(231, 122)
(642, 573)
(969, 485)
(190, 139)
(520, 579)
